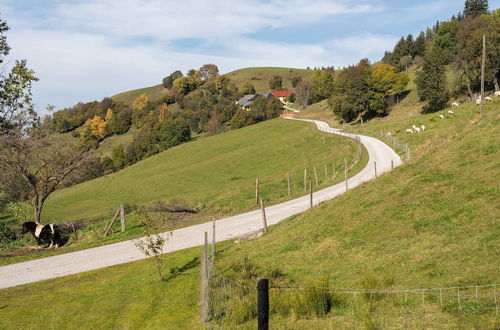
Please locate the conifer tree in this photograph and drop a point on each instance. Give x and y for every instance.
(475, 7)
(431, 82)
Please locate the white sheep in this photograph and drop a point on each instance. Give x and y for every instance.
(423, 128)
(409, 131)
(497, 93)
(487, 98)
(450, 112)
(441, 116)
(414, 127)
(417, 129)
(388, 134)
(455, 104)
(478, 101)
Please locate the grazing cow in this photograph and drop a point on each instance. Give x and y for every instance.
(43, 233)
(450, 112)
(455, 104)
(441, 116)
(487, 98)
(409, 131)
(423, 128)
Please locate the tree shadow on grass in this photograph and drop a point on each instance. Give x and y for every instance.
(176, 271)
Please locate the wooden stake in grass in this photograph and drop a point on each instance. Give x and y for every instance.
(375, 167)
(74, 231)
(264, 219)
(213, 241)
(289, 186)
(311, 194)
(483, 64)
(202, 304)
(122, 217)
(257, 191)
(315, 175)
(326, 173)
(392, 164)
(305, 179)
(345, 174)
(111, 223)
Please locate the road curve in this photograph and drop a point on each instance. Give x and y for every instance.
(226, 229)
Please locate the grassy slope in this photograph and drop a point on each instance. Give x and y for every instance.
(260, 76)
(106, 146)
(217, 172)
(432, 222)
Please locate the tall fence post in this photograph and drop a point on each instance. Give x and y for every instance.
(264, 219)
(289, 186)
(315, 175)
(311, 194)
(263, 304)
(257, 191)
(203, 306)
(122, 217)
(326, 173)
(345, 174)
(305, 179)
(213, 241)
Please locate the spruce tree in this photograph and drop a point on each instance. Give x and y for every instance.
(431, 82)
(475, 8)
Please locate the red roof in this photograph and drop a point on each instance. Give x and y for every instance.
(282, 93)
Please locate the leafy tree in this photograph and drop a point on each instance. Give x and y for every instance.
(431, 82)
(172, 133)
(247, 88)
(16, 107)
(209, 71)
(322, 83)
(214, 125)
(445, 40)
(140, 109)
(107, 165)
(169, 80)
(273, 108)
(184, 85)
(475, 8)
(242, 118)
(276, 83)
(119, 158)
(44, 161)
(303, 92)
(384, 80)
(259, 109)
(296, 80)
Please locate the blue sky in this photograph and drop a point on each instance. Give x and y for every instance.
(84, 50)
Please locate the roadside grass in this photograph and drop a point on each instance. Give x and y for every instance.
(433, 222)
(214, 176)
(259, 77)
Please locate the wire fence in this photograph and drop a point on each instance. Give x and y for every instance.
(233, 304)
(400, 146)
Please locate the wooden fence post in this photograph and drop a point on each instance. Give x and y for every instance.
(111, 223)
(311, 194)
(263, 304)
(203, 288)
(122, 217)
(305, 179)
(392, 164)
(213, 241)
(74, 231)
(315, 175)
(257, 191)
(326, 173)
(375, 167)
(264, 219)
(345, 174)
(289, 186)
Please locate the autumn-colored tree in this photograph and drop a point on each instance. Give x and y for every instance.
(208, 71)
(140, 109)
(303, 92)
(321, 85)
(186, 84)
(214, 125)
(246, 88)
(164, 113)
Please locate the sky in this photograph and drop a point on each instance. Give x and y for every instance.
(84, 50)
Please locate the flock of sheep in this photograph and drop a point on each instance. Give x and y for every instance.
(416, 129)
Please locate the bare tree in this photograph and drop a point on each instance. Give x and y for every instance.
(44, 161)
(303, 92)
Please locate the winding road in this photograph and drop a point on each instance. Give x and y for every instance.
(226, 228)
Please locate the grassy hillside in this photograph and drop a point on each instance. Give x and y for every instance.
(217, 172)
(431, 223)
(153, 92)
(259, 77)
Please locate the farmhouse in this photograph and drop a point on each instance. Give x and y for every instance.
(283, 96)
(247, 101)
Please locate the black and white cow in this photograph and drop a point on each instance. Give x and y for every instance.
(43, 233)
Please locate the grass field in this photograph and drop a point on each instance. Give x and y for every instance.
(153, 93)
(260, 76)
(431, 223)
